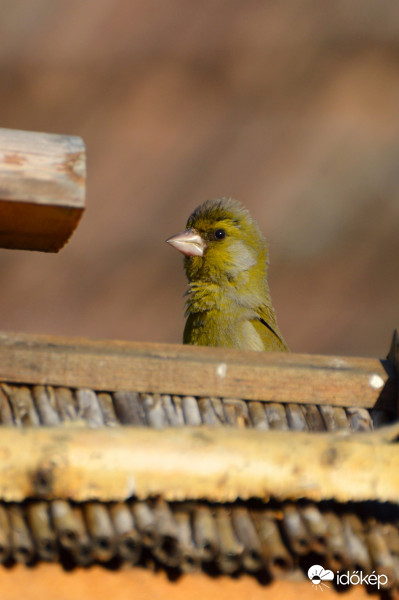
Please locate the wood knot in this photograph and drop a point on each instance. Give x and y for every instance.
(329, 457)
(43, 480)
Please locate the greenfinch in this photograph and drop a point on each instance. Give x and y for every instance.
(226, 261)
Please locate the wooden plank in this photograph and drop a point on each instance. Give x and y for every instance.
(199, 371)
(102, 583)
(393, 357)
(42, 189)
(214, 463)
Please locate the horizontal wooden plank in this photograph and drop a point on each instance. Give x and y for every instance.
(42, 189)
(102, 583)
(198, 371)
(191, 463)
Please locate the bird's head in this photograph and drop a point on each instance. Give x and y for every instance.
(220, 243)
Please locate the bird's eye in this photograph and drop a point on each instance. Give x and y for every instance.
(220, 234)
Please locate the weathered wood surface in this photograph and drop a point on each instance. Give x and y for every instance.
(99, 583)
(202, 371)
(42, 189)
(393, 357)
(191, 463)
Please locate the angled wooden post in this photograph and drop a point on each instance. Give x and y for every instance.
(393, 357)
(42, 189)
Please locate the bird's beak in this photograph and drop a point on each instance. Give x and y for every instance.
(189, 243)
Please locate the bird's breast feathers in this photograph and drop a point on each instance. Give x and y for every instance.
(213, 328)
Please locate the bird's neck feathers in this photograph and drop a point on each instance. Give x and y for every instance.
(241, 284)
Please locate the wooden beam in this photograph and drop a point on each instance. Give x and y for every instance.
(42, 189)
(393, 357)
(198, 371)
(102, 583)
(192, 463)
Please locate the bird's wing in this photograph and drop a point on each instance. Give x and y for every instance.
(266, 326)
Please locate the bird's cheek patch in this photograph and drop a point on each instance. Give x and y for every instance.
(242, 258)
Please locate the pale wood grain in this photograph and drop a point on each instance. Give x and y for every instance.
(42, 189)
(192, 463)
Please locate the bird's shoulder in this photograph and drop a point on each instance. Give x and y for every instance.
(265, 324)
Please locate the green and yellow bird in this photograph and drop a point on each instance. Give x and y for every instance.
(226, 260)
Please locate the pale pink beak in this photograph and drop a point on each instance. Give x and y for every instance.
(189, 243)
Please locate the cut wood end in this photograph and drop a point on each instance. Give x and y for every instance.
(42, 189)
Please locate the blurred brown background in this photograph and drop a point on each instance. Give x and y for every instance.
(292, 108)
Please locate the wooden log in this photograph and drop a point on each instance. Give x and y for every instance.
(5, 536)
(189, 553)
(167, 551)
(196, 371)
(146, 524)
(42, 189)
(71, 531)
(127, 535)
(101, 530)
(295, 530)
(41, 530)
(191, 463)
(21, 541)
(278, 560)
(230, 548)
(205, 534)
(246, 533)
